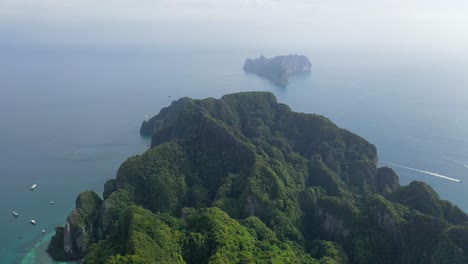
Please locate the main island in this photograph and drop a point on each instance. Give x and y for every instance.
(244, 179)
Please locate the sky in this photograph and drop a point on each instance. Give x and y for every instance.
(415, 25)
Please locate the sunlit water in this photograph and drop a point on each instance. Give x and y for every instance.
(70, 116)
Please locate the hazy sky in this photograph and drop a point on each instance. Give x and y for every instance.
(434, 25)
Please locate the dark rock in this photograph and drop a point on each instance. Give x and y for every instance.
(72, 241)
(56, 248)
(386, 181)
(278, 68)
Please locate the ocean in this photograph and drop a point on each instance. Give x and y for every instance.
(70, 116)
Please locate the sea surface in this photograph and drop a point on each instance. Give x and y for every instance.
(69, 116)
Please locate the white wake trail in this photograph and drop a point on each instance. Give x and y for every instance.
(422, 171)
(461, 164)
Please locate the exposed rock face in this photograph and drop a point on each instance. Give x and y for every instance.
(386, 181)
(333, 226)
(80, 231)
(335, 218)
(278, 68)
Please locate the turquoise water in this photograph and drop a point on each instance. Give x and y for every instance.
(70, 116)
(36, 253)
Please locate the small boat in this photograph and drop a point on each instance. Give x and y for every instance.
(33, 187)
(33, 222)
(43, 231)
(15, 214)
(51, 202)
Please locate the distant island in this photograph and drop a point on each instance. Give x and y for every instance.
(278, 68)
(244, 179)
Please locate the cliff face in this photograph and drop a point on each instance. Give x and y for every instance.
(244, 179)
(72, 241)
(387, 181)
(278, 68)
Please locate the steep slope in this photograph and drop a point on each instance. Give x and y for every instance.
(243, 179)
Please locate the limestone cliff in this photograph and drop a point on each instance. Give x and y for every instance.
(244, 179)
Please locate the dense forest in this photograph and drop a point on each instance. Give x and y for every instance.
(244, 179)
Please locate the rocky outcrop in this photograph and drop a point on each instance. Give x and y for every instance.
(335, 216)
(72, 241)
(332, 225)
(278, 68)
(386, 181)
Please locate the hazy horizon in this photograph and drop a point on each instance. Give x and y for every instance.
(427, 26)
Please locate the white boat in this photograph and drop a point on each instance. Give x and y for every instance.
(15, 214)
(51, 202)
(33, 187)
(33, 222)
(43, 231)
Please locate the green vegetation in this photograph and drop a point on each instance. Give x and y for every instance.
(243, 179)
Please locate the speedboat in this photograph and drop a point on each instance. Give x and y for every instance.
(43, 231)
(51, 202)
(33, 187)
(15, 214)
(33, 222)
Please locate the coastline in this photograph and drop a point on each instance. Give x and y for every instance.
(38, 254)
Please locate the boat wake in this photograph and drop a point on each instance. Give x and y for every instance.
(462, 164)
(452, 159)
(422, 171)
